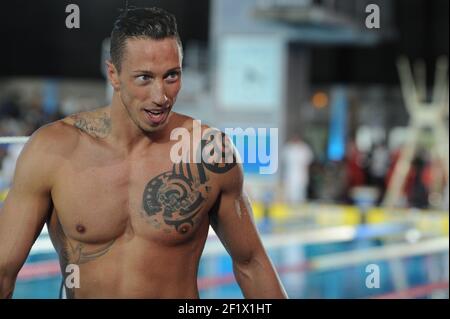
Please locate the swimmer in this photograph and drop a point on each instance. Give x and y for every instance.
(134, 221)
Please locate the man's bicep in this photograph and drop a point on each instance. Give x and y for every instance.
(234, 224)
(24, 211)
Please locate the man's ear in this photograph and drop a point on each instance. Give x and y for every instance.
(113, 75)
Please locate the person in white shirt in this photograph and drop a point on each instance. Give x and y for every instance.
(297, 157)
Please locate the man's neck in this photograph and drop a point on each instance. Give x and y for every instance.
(124, 132)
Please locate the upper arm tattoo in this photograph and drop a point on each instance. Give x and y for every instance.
(242, 206)
(218, 151)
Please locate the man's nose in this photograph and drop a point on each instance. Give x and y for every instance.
(158, 94)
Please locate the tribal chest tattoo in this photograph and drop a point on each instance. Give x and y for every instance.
(178, 196)
(173, 199)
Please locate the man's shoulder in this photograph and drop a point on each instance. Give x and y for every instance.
(96, 123)
(46, 147)
(192, 124)
(226, 167)
(54, 136)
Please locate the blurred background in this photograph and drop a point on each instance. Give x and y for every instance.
(358, 205)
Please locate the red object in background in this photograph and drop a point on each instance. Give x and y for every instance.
(425, 178)
(355, 173)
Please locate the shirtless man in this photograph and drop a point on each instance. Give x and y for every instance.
(116, 205)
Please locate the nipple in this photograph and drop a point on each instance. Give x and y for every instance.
(184, 228)
(81, 229)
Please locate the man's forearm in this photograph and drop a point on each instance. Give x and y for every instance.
(258, 279)
(6, 285)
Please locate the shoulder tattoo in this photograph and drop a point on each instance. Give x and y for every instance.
(98, 125)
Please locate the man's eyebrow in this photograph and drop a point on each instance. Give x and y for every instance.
(143, 72)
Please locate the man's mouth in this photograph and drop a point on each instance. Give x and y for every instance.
(156, 116)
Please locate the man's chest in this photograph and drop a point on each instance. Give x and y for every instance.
(99, 199)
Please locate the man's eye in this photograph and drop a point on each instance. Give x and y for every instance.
(143, 78)
(173, 76)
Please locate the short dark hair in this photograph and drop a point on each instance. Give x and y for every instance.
(154, 23)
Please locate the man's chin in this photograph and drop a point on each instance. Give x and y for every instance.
(154, 128)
